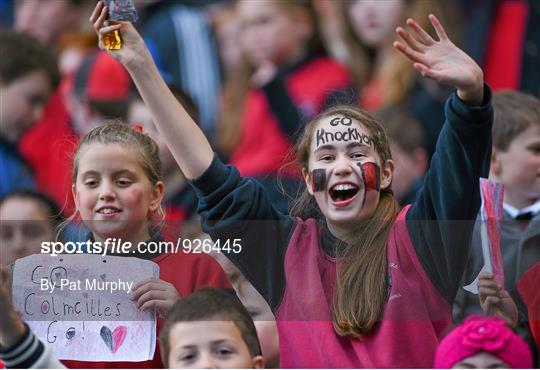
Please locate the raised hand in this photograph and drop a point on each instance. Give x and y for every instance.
(183, 136)
(133, 48)
(155, 294)
(442, 61)
(496, 301)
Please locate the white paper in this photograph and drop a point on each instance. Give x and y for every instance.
(64, 301)
(473, 287)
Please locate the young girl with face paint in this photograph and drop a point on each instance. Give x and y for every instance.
(118, 190)
(361, 284)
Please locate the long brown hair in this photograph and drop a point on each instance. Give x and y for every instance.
(238, 83)
(362, 289)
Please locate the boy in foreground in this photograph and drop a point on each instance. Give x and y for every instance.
(210, 329)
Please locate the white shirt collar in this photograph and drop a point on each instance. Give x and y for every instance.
(514, 212)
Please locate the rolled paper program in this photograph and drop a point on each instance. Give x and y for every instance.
(119, 10)
(491, 211)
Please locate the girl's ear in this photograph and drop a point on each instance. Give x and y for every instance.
(258, 362)
(157, 196)
(307, 179)
(387, 173)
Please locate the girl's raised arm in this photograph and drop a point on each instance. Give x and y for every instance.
(442, 217)
(442, 61)
(185, 140)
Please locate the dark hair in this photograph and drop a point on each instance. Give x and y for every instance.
(356, 307)
(54, 215)
(22, 54)
(210, 304)
(514, 113)
(402, 127)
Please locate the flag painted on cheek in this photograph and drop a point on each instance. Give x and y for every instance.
(371, 176)
(318, 179)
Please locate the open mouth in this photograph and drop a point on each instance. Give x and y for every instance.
(343, 191)
(108, 211)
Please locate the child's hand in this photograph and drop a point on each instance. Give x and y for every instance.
(495, 300)
(442, 60)
(133, 50)
(11, 326)
(155, 294)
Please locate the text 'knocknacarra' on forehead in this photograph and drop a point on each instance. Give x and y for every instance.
(348, 133)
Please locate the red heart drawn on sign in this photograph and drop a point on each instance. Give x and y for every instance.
(113, 340)
(119, 334)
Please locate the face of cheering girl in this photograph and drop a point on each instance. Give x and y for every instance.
(345, 172)
(113, 193)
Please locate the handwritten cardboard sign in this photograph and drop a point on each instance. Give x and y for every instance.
(79, 305)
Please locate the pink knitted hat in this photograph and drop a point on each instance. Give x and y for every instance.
(488, 334)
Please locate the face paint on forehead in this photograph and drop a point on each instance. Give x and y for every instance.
(348, 133)
(318, 179)
(345, 121)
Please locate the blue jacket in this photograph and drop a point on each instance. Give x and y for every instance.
(15, 174)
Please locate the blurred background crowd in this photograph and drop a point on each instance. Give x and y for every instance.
(250, 72)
